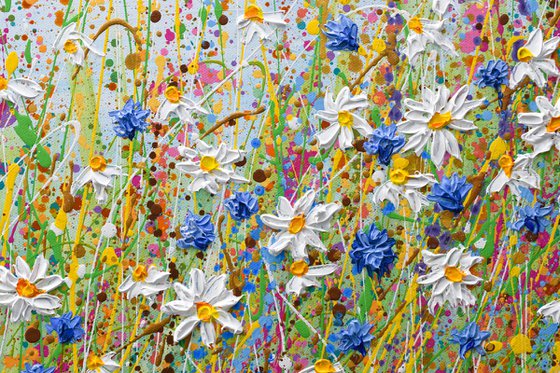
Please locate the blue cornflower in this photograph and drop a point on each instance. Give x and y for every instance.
(494, 75)
(198, 232)
(450, 193)
(68, 328)
(241, 206)
(372, 251)
(533, 218)
(384, 142)
(130, 119)
(342, 35)
(36, 368)
(356, 337)
(471, 337)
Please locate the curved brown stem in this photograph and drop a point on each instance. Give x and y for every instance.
(104, 27)
(233, 116)
(369, 66)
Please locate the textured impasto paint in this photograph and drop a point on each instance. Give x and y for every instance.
(279, 186)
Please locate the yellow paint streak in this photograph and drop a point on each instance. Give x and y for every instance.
(13, 171)
(486, 18)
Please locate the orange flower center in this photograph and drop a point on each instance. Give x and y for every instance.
(70, 46)
(553, 125)
(140, 273)
(98, 163)
(94, 362)
(324, 366)
(208, 163)
(454, 274)
(296, 224)
(26, 289)
(506, 163)
(299, 268)
(3, 83)
(206, 312)
(345, 119)
(524, 54)
(416, 25)
(439, 121)
(254, 13)
(173, 94)
(398, 176)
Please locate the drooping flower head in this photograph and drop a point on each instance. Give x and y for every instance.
(534, 218)
(356, 337)
(68, 328)
(470, 338)
(197, 232)
(241, 206)
(384, 142)
(36, 368)
(130, 119)
(342, 35)
(494, 74)
(373, 251)
(450, 193)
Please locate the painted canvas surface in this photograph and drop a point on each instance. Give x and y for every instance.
(279, 186)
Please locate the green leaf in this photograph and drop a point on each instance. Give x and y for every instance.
(218, 10)
(302, 329)
(24, 129)
(27, 53)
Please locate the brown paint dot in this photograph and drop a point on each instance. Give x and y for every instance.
(132, 61)
(32, 335)
(259, 176)
(156, 16)
(223, 20)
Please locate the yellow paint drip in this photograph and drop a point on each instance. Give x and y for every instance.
(13, 171)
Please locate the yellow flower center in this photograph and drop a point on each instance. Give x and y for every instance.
(3, 83)
(398, 176)
(296, 224)
(439, 120)
(553, 125)
(416, 25)
(26, 289)
(324, 366)
(98, 163)
(454, 274)
(299, 268)
(524, 54)
(173, 94)
(206, 312)
(70, 46)
(140, 273)
(506, 163)
(254, 13)
(94, 362)
(345, 119)
(208, 163)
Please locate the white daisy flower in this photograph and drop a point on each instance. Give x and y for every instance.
(145, 281)
(175, 104)
(515, 174)
(299, 225)
(99, 174)
(323, 366)
(204, 302)
(423, 32)
(69, 40)
(449, 277)
(430, 118)
(27, 289)
(534, 60)
(209, 166)
(255, 21)
(306, 276)
(551, 310)
(402, 184)
(343, 121)
(544, 132)
(15, 89)
(101, 364)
